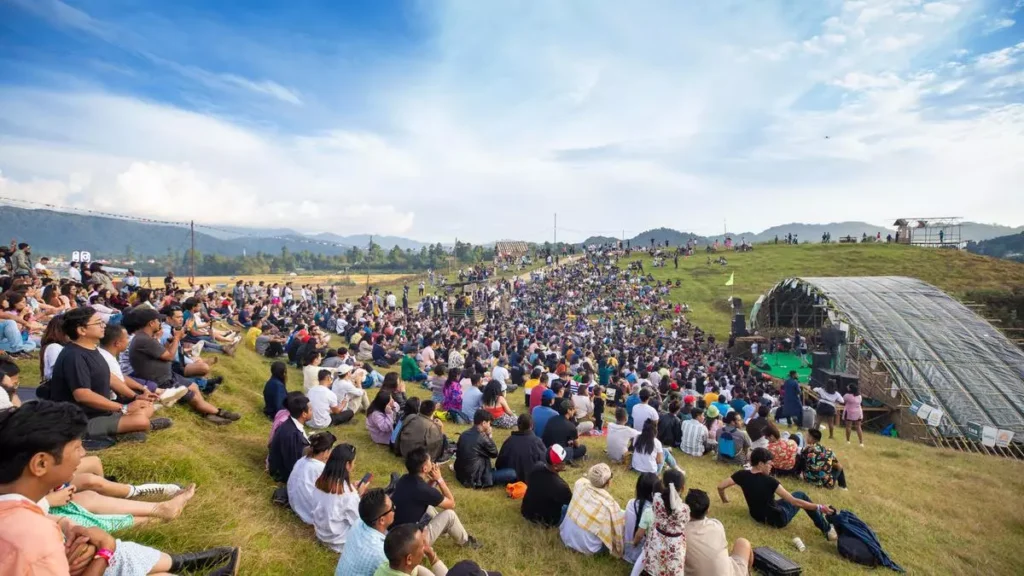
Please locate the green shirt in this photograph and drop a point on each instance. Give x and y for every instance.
(410, 368)
(385, 570)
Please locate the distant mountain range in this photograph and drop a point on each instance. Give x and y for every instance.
(51, 232)
(970, 231)
(1010, 247)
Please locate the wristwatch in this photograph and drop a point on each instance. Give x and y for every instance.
(124, 409)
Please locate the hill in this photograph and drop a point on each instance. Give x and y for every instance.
(363, 240)
(970, 231)
(1010, 247)
(911, 516)
(52, 232)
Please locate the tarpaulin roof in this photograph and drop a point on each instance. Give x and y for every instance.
(937, 350)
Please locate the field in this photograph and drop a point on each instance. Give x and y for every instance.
(703, 285)
(935, 511)
(297, 280)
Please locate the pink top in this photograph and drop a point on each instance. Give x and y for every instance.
(853, 408)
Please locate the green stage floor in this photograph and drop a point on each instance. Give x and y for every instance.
(783, 362)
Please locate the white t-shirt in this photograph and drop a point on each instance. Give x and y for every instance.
(301, 486)
(50, 358)
(642, 413)
(501, 374)
(346, 391)
(579, 539)
(5, 400)
(831, 399)
(322, 399)
(619, 436)
(647, 462)
(115, 366)
(334, 515)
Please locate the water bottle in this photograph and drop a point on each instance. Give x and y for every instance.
(799, 544)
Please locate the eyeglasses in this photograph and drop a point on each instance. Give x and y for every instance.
(386, 512)
(100, 323)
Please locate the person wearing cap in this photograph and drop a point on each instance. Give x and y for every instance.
(547, 494)
(594, 520)
(543, 413)
(350, 393)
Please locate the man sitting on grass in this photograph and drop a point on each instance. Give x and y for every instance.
(547, 494)
(151, 361)
(327, 409)
(364, 548)
(418, 493)
(82, 376)
(707, 548)
(405, 547)
(290, 440)
(760, 488)
(522, 450)
(473, 453)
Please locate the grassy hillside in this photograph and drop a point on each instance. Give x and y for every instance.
(703, 286)
(935, 511)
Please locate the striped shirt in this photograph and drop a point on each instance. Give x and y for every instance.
(695, 437)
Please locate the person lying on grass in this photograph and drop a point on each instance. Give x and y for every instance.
(760, 488)
(40, 450)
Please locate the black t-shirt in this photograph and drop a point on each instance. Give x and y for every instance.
(759, 490)
(546, 493)
(517, 375)
(411, 497)
(77, 367)
(144, 355)
(560, 431)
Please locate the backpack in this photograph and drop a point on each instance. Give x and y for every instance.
(855, 550)
(726, 445)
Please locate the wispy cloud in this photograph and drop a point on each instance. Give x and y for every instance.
(615, 116)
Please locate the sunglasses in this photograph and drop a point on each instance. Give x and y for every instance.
(388, 511)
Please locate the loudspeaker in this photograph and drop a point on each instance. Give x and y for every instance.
(843, 382)
(739, 325)
(821, 360)
(833, 337)
(818, 377)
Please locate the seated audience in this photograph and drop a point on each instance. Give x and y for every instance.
(543, 412)
(594, 520)
(665, 547)
(707, 548)
(639, 516)
(327, 409)
(380, 418)
(547, 494)
(562, 431)
(336, 499)
(302, 480)
(521, 450)
(760, 488)
(620, 436)
(275, 390)
(425, 431)
(733, 441)
(405, 547)
(694, 434)
(494, 401)
(670, 426)
(820, 466)
(364, 548)
(289, 441)
(473, 453)
(417, 495)
(786, 460)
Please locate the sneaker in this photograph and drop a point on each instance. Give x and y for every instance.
(215, 419)
(160, 424)
(832, 536)
(212, 384)
(144, 490)
(228, 415)
(171, 396)
(473, 543)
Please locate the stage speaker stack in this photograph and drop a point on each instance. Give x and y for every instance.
(818, 377)
(844, 381)
(739, 325)
(821, 360)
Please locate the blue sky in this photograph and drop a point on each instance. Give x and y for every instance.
(438, 119)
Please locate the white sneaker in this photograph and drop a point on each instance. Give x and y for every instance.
(832, 536)
(861, 445)
(170, 396)
(167, 490)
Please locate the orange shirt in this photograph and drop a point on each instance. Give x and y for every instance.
(31, 544)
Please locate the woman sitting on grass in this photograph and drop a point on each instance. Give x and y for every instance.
(639, 515)
(380, 418)
(495, 403)
(302, 480)
(452, 403)
(336, 500)
(275, 390)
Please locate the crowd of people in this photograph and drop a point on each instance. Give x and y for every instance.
(596, 350)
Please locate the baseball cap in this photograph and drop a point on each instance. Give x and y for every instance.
(556, 454)
(547, 395)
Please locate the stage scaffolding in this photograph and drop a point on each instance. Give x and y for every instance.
(934, 232)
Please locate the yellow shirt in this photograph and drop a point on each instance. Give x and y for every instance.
(529, 384)
(251, 336)
(709, 398)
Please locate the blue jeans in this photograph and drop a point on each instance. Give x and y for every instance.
(503, 476)
(669, 460)
(791, 511)
(11, 340)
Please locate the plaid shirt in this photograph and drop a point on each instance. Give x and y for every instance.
(597, 512)
(695, 437)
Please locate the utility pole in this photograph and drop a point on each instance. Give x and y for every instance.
(192, 254)
(369, 247)
(556, 228)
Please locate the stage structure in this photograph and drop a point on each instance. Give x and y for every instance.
(946, 376)
(510, 250)
(941, 232)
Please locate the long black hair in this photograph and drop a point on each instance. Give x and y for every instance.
(335, 479)
(491, 393)
(671, 477)
(380, 403)
(644, 443)
(646, 485)
(279, 370)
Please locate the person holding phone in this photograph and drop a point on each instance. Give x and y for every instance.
(336, 499)
(419, 493)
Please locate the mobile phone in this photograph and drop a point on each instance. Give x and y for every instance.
(366, 478)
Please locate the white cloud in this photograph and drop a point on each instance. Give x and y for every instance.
(613, 116)
(999, 24)
(999, 58)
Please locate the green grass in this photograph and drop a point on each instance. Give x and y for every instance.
(703, 287)
(936, 511)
